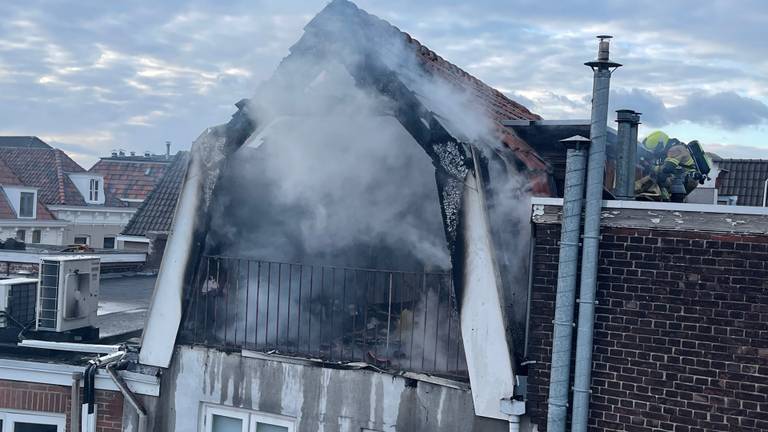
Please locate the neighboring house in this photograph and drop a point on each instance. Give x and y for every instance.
(129, 178)
(22, 216)
(149, 227)
(33, 175)
(69, 204)
(744, 182)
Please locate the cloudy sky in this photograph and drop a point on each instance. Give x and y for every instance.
(90, 76)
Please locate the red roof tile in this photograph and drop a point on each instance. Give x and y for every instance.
(6, 211)
(7, 176)
(45, 169)
(128, 179)
(498, 106)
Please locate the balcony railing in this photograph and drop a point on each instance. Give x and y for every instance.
(391, 319)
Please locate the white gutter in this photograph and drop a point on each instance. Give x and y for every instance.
(106, 258)
(135, 239)
(61, 375)
(34, 223)
(69, 346)
(93, 208)
(650, 205)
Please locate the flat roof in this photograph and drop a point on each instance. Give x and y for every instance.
(664, 216)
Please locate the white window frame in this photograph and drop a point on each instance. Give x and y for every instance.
(114, 242)
(11, 417)
(251, 419)
(85, 236)
(93, 190)
(34, 204)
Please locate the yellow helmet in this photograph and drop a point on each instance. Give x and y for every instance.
(656, 141)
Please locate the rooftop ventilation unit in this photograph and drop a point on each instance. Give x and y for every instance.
(68, 293)
(18, 298)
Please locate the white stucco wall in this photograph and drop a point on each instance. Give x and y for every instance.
(318, 399)
(48, 235)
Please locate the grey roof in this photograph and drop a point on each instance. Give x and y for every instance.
(23, 142)
(745, 178)
(156, 212)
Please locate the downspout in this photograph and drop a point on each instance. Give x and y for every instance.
(765, 193)
(142, 413)
(76, 406)
(602, 68)
(565, 300)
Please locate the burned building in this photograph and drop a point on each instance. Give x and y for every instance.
(352, 251)
(346, 248)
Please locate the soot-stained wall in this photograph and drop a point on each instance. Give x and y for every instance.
(318, 399)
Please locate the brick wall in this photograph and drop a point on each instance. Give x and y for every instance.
(681, 332)
(25, 396)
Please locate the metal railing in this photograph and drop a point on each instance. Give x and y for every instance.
(391, 319)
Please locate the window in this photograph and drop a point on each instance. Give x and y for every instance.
(221, 419)
(94, 190)
(21, 235)
(36, 234)
(81, 240)
(109, 242)
(28, 421)
(27, 204)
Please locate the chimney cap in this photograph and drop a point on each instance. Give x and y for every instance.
(576, 141)
(627, 115)
(603, 54)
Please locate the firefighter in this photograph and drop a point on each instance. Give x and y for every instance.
(669, 170)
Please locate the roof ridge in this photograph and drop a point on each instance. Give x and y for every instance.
(59, 175)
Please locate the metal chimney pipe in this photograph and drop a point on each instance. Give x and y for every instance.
(602, 69)
(565, 300)
(167, 149)
(633, 152)
(627, 158)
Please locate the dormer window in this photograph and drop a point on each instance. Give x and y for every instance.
(94, 190)
(90, 186)
(27, 205)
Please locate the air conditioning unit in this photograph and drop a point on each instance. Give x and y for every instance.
(18, 299)
(68, 293)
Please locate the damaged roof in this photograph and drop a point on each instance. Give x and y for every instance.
(341, 20)
(156, 212)
(745, 178)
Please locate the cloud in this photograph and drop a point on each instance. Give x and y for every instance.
(65, 67)
(653, 110)
(738, 151)
(724, 109)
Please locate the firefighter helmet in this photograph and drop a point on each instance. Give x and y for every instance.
(656, 141)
